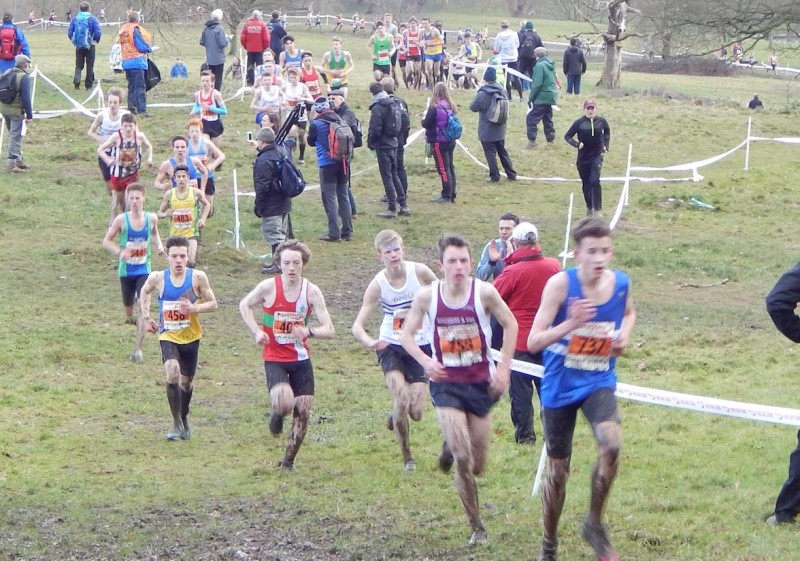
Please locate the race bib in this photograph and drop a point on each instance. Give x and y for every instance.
(183, 218)
(590, 347)
(383, 55)
(138, 252)
(173, 318)
(282, 325)
(460, 344)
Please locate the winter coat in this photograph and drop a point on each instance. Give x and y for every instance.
(269, 200)
(215, 41)
(435, 121)
(488, 131)
(543, 84)
(574, 61)
(381, 111)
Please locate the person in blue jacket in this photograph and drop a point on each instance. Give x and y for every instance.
(12, 43)
(84, 32)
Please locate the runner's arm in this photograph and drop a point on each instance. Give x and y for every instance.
(620, 342)
(163, 180)
(369, 303)
(424, 274)
(543, 332)
(162, 210)
(349, 64)
(92, 132)
(113, 231)
(201, 167)
(154, 281)
(201, 196)
(414, 322)
(149, 147)
(216, 154)
(101, 150)
(499, 309)
(156, 239)
(262, 292)
(201, 286)
(325, 328)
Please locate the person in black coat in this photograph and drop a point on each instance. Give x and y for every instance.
(594, 136)
(574, 66)
(271, 206)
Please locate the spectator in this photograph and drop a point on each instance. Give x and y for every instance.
(574, 66)
(528, 41)
(507, 44)
(136, 42)
(434, 123)
(179, 69)
(755, 103)
(84, 32)
(18, 114)
(492, 135)
(382, 138)
(277, 33)
(12, 43)
(271, 205)
(542, 98)
(594, 136)
(255, 39)
(491, 263)
(216, 43)
(340, 107)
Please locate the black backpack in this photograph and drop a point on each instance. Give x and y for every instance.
(9, 86)
(392, 120)
(528, 46)
(405, 120)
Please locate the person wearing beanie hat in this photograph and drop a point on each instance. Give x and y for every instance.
(334, 169)
(18, 113)
(528, 41)
(491, 104)
(19, 42)
(594, 136)
(521, 284)
(216, 42)
(271, 205)
(541, 99)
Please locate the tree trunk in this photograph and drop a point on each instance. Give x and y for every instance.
(617, 11)
(666, 46)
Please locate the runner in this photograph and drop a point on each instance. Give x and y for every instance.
(433, 43)
(381, 48)
(338, 64)
(267, 96)
(183, 293)
(122, 153)
(201, 146)
(288, 301)
(413, 46)
(136, 230)
(310, 76)
(107, 122)
(402, 54)
(393, 289)
(294, 93)
(339, 23)
(392, 31)
(472, 53)
(208, 103)
(291, 56)
(465, 383)
(180, 204)
(584, 321)
(198, 174)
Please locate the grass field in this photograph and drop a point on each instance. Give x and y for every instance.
(84, 470)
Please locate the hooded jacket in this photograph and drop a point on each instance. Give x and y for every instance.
(276, 35)
(318, 132)
(543, 84)
(574, 61)
(488, 131)
(269, 200)
(255, 36)
(435, 121)
(382, 109)
(215, 41)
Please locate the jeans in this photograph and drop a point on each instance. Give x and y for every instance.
(521, 394)
(542, 113)
(84, 56)
(333, 186)
(589, 170)
(137, 93)
(387, 164)
(14, 126)
(217, 69)
(443, 156)
(253, 60)
(573, 83)
(498, 148)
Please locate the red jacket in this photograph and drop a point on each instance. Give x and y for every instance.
(521, 284)
(255, 36)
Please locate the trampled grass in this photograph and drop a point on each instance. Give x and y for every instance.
(85, 474)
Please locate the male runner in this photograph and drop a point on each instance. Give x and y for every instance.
(291, 56)
(136, 230)
(311, 76)
(392, 31)
(107, 122)
(583, 324)
(200, 145)
(180, 204)
(381, 47)
(393, 289)
(413, 46)
(122, 153)
(288, 301)
(465, 383)
(434, 52)
(198, 173)
(337, 64)
(295, 92)
(183, 293)
(208, 103)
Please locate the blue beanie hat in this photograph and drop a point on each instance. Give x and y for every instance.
(490, 75)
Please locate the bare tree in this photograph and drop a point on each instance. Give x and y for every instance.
(520, 8)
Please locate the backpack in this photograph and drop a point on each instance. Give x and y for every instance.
(9, 86)
(8, 43)
(340, 140)
(392, 120)
(452, 130)
(498, 109)
(405, 120)
(289, 181)
(528, 46)
(80, 33)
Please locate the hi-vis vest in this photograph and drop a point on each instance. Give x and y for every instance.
(129, 49)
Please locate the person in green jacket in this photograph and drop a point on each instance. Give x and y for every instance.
(542, 97)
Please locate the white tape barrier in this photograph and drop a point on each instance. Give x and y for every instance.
(78, 107)
(498, 67)
(724, 407)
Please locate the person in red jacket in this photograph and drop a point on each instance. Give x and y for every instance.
(520, 285)
(255, 40)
